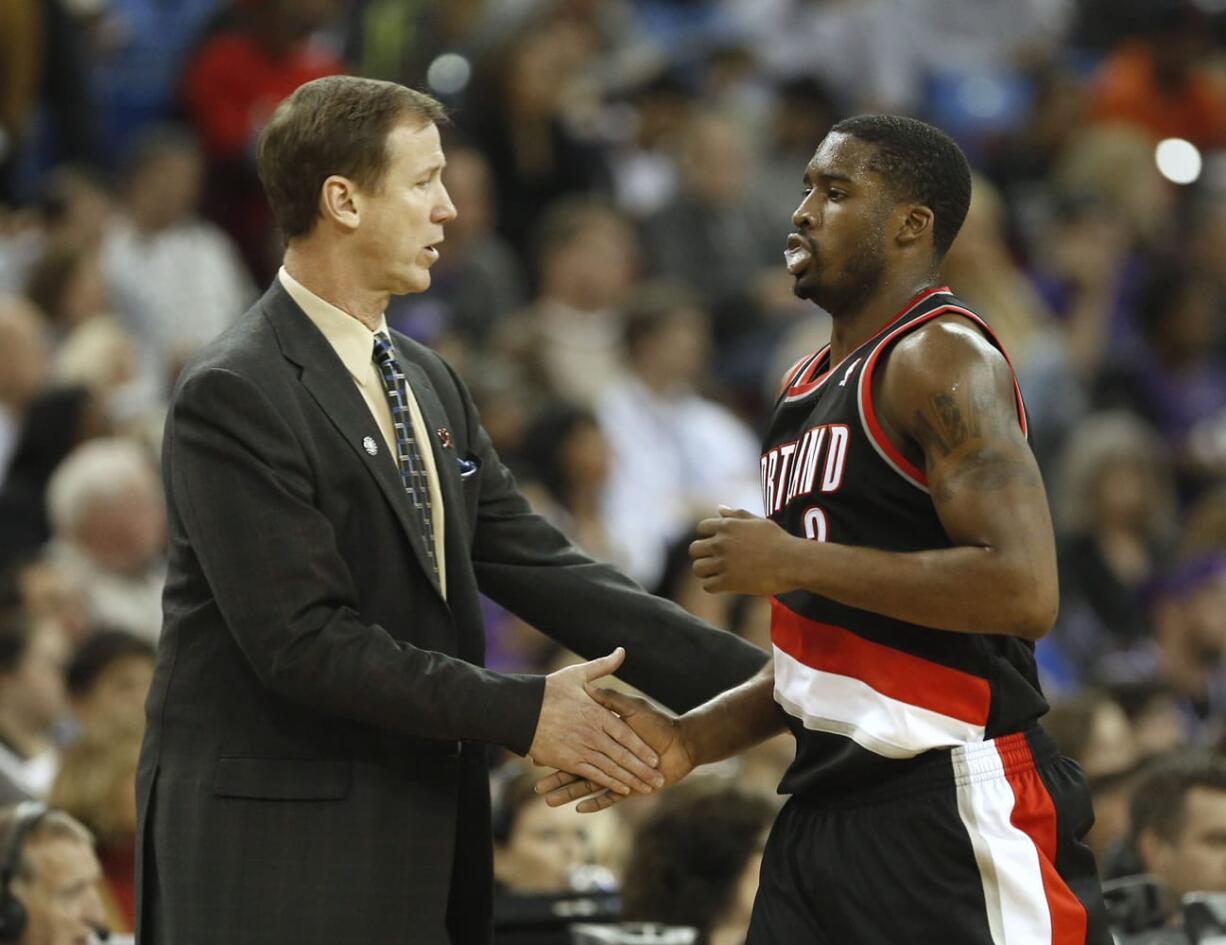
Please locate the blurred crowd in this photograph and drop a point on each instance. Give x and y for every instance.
(613, 292)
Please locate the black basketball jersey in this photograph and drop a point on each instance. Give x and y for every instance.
(864, 693)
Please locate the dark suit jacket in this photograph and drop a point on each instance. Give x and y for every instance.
(313, 769)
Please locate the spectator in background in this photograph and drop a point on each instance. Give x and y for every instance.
(567, 482)
(230, 88)
(1112, 166)
(1115, 510)
(1091, 728)
(25, 360)
(1086, 273)
(76, 206)
(1185, 657)
(179, 279)
(96, 784)
(714, 236)
(537, 849)
(524, 123)
(1178, 822)
(980, 268)
(139, 49)
(803, 112)
(700, 455)
(109, 523)
(108, 679)
(477, 283)
(569, 339)
(57, 875)
(1179, 380)
(644, 165)
(32, 703)
(1160, 82)
(68, 285)
(56, 422)
(695, 862)
(20, 73)
(46, 592)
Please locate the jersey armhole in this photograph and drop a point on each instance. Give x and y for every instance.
(885, 448)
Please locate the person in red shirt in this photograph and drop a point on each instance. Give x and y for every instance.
(230, 89)
(1159, 82)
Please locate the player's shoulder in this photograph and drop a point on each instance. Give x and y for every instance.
(953, 340)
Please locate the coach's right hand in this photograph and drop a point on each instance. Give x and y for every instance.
(577, 734)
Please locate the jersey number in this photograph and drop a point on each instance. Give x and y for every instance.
(815, 523)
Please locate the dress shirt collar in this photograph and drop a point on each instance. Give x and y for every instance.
(353, 342)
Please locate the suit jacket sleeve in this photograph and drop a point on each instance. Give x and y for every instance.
(533, 570)
(244, 488)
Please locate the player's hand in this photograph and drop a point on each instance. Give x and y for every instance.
(740, 553)
(577, 733)
(660, 729)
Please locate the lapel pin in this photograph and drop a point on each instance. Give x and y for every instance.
(444, 437)
(369, 444)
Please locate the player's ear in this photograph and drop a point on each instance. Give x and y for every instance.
(916, 225)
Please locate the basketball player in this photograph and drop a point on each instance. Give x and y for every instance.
(908, 555)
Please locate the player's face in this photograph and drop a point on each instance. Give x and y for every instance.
(837, 253)
(402, 220)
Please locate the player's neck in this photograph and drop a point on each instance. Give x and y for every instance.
(855, 325)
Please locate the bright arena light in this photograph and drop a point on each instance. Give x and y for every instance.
(449, 73)
(1179, 161)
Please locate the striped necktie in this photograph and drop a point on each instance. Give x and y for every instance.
(408, 456)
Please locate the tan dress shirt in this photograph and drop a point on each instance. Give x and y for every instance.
(354, 344)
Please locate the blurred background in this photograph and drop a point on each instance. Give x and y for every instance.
(613, 291)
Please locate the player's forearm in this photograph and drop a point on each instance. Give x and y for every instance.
(733, 721)
(966, 589)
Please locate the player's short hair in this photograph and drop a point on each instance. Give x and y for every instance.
(921, 163)
(335, 125)
(1159, 798)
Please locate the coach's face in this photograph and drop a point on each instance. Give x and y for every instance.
(402, 220)
(837, 251)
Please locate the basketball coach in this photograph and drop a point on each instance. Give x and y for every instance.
(314, 766)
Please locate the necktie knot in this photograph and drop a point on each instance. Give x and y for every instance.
(383, 348)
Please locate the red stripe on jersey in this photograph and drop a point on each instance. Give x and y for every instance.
(1034, 814)
(893, 673)
(807, 380)
(874, 429)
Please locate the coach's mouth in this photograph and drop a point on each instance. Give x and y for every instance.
(798, 254)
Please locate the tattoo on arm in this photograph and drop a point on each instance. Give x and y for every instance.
(985, 470)
(952, 429)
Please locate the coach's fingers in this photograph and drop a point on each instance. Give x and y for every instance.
(707, 527)
(707, 567)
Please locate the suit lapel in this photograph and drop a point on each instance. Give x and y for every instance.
(329, 383)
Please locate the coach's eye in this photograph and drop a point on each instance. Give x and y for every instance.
(835, 195)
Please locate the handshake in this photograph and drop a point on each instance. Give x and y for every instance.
(604, 744)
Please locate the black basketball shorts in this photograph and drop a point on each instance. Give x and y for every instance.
(980, 845)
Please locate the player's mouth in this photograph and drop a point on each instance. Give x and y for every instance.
(799, 254)
(431, 251)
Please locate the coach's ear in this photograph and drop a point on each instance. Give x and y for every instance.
(339, 202)
(915, 226)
